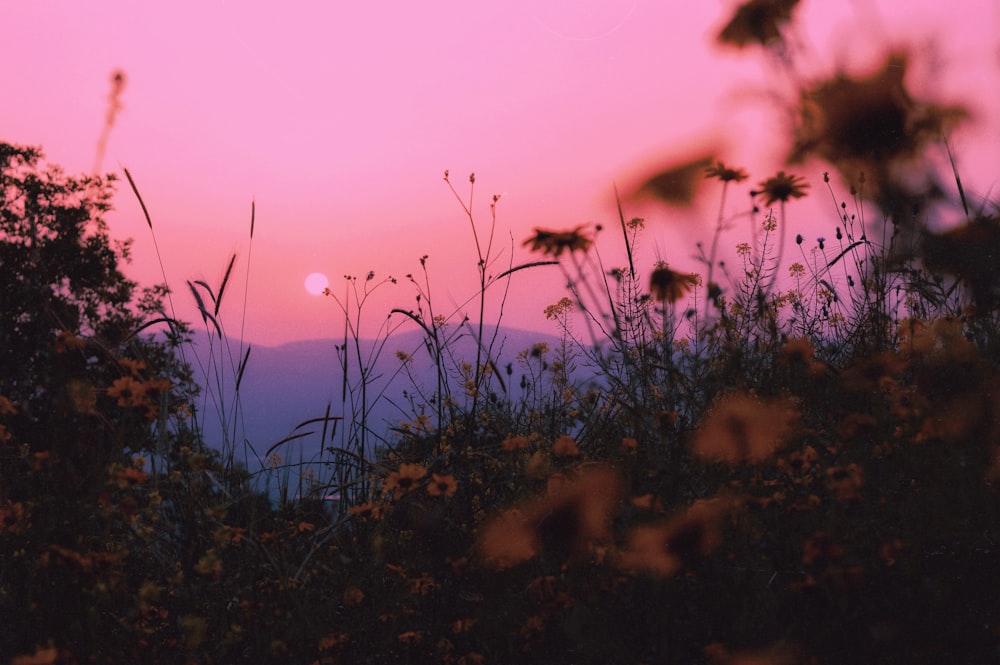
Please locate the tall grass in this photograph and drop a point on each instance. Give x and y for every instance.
(791, 458)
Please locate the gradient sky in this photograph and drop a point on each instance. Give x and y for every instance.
(338, 119)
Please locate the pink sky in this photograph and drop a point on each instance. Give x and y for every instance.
(339, 119)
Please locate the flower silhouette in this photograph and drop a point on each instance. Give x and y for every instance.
(757, 22)
(870, 123)
(782, 187)
(554, 243)
(665, 285)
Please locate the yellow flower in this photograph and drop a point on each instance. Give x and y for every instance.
(575, 514)
(783, 187)
(666, 547)
(365, 511)
(404, 479)
(128, 391)
(67, 341)
(565, 446)
(741, 428)
(442, 485)
(512, 443)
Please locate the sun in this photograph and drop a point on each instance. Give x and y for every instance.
(316, 283)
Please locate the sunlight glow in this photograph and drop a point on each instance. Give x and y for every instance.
(316, 283)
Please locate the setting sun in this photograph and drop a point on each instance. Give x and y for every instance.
(316, 283)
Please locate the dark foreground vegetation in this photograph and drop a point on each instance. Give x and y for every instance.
(794, 459)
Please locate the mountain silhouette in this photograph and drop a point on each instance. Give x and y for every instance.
(285, 386)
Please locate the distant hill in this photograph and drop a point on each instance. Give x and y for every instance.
(288, 384)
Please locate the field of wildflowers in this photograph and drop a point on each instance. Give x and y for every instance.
(793, 459)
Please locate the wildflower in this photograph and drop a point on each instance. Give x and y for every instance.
(725, 173)
(352, 596)
(574, 514)
(130, 476)
(665, 285)
(67, 341)
(783, 187)
(677, 184)
(410, 638)
(42, 656)
(821, 240)
(442, 485)
(743, 249)
(128, 391)
(134, 367)
(554, 243)
(867, 123)
(365, 511)
(404, 479)
(559, 309)
(741, 428)
(565, 446)
(797, 269)
(757, 22)
(664, 548)
(512, 443)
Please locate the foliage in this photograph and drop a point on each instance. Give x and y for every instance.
(780, 462)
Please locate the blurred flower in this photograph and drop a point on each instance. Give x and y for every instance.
(757, 22)
(970, 253)
(677, 184)
(365, 511)
(512, 443)
(783, 187)
(664, 548)
(42, 656)
(442, 485)
(352, 596)
(411, 638)
(403, 480)
(742, 428)
(554, 243)
(67, 341)
(665, 285)
(565, 446)
(865, 124)
(575, 513)
(725, 173)
(128, 391)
